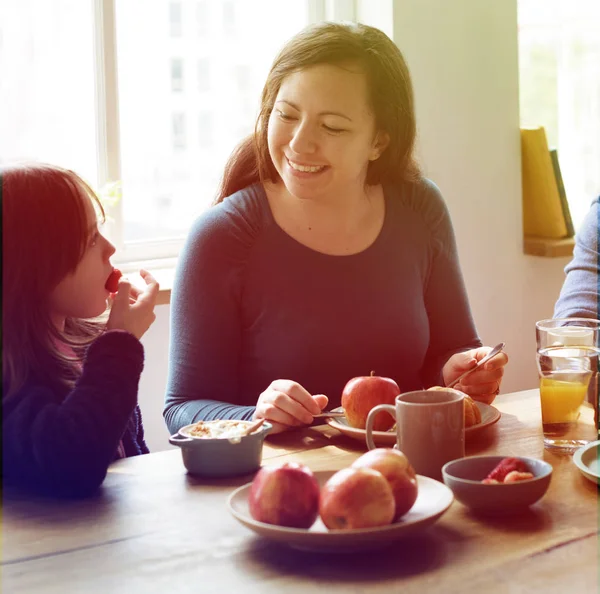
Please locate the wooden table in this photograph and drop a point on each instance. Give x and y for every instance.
(153, 528)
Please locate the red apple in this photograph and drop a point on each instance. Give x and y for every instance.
(363, 393)
(399, 473)
(286, 495)
(356, 498)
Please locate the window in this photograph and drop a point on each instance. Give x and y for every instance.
(48, 115)
(229, 20)
(243, 76)
(204, 74)
(212, 109)
(202, 16)
(161, 114)
(205, 129)
(176, 74)
(178, 131)
(559, 71)
(175, 19)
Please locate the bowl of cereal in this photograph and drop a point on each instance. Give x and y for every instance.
(221, 448)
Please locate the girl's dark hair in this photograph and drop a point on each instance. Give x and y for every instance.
(44, 236)
(390, 90)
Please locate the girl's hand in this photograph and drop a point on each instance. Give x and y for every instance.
(132, 309)
(287, 404)
(483, 384)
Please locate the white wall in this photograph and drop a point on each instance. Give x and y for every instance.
(463, 56)
(463, 59)
(154, 380)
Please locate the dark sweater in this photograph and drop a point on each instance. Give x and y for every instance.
(251, 305)
(62, 443)
(580, 293)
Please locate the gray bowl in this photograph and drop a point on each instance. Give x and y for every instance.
(464, 477)
(219, 457)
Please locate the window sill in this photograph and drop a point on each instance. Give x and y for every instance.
(165, 277)
(548, 248)
(163, 271)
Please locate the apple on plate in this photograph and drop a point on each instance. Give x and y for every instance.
(363, 393)
(356, 498)
(285, 495)
(399, 473)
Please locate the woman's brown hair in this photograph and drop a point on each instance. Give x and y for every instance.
(391, 97)
(44, 236)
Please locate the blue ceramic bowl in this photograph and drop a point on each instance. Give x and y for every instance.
(464, 477)
(221, 457)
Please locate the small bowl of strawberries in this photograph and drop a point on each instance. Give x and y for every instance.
(497, 484)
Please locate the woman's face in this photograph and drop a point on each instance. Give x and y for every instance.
(322, 132)
(82, 294)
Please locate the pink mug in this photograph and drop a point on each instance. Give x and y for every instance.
(430, 428)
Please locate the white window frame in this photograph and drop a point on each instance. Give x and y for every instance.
(162, 252)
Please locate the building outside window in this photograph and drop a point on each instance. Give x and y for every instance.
(205, 130)
(202, 18)
(204, 74)
(177, 74)
(179, 131)
(175, 19)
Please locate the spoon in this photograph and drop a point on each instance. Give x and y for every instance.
(497, 349)
(253, 427)
(330, 413)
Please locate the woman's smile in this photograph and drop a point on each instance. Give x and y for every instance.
(298, 170)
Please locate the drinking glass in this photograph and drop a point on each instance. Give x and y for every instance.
(567, 332)
(567, 360)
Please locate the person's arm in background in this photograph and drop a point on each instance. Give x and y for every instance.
(205, 325)
(579, 293)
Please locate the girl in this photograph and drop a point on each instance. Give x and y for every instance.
(69, 385)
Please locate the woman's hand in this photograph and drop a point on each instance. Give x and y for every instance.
(286, 404)
(483, 384)
(132, 309)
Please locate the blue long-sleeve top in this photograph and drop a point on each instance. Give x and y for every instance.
(251, 305)
(581, 290)
(61, 443)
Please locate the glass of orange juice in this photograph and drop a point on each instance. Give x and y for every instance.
(568, 417)
(567, 359)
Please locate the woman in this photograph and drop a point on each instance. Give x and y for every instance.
(331, 255)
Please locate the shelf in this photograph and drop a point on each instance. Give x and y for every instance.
(549, 248)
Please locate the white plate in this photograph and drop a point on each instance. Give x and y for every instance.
(433, 500)
(587, 459)
(489, 416)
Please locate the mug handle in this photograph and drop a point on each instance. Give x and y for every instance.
(371, 419)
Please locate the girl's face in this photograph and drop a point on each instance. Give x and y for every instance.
(81, 294)
(322, 132)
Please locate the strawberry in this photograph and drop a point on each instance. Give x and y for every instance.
(515, 476)
(505, 466)
(112, 283)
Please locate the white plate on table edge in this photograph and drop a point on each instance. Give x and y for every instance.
(587, 459)
(433, 499)
(489, 416)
